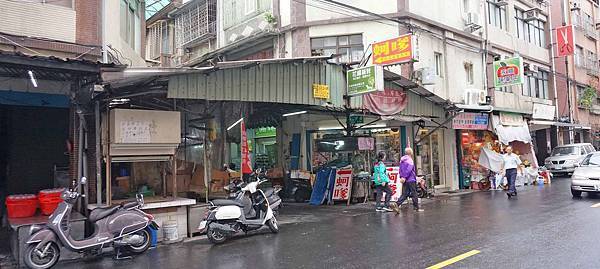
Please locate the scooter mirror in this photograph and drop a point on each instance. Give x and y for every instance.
(83, 181)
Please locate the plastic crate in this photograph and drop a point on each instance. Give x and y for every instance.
(48, 205)
(21, 206)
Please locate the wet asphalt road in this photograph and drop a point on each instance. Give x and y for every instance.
(542, 228)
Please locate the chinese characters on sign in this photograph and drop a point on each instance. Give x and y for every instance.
(511, 119)
(366, 143)
(470, 121)
(135, 132)
(394, 176)
(343, 182)
(320, 91)
(394, 51)
(508, 72)
(565, 41)
(246, 166)
(365, 80)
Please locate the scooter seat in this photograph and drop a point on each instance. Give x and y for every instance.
(100, 213)
(224, 202)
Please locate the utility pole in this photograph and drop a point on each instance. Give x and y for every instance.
(566, 20)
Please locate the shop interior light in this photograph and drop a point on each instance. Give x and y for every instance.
(32, 78)
(341, 128)
(294, 113)
(234, 124)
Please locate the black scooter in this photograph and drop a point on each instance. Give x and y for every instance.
(234, 190)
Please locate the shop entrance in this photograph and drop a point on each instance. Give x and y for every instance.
(429, 157)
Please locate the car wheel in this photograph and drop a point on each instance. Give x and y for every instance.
(576, 194)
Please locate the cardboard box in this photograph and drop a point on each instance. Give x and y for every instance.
(123, 183)
(183, 183)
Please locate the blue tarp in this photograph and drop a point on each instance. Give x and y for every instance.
(321, 189)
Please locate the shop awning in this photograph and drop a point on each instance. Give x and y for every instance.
(560, 124)
(507, 134)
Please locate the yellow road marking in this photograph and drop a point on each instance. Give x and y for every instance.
(595, 205)
(455, 259)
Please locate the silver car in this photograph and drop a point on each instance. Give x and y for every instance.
(564, 158)
(586, 177)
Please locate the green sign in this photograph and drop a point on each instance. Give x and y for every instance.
(265, 132)
(509, 72)
(357, 119)
(365, 80)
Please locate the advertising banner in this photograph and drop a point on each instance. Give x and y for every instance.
(471, 121)
(394, 51)
(364, 80)
(508, 72)
(343, 182)
(246, 165)
(565, 41)
(394, 176)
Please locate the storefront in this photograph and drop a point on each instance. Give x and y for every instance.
(472, 132)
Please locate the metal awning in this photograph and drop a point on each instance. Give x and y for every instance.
(560, 124)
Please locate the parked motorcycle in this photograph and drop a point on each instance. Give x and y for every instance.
(123, 227)
(228, 217)
(234, 190)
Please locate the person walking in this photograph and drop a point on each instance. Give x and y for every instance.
(511, 162)
(408, 177)
(382, 184)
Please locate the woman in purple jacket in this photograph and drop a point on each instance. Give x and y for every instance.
(409, 177)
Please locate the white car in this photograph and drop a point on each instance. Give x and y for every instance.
(563, 159)
(586, 177)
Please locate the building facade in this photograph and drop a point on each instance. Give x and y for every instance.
(578, 103)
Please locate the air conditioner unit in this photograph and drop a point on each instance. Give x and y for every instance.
(483, 100)
(500, 3)
(424, 76)
(472, 22)
(532, 14)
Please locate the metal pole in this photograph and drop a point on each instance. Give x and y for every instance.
(108, 159)
(566, 19)
(556, 111)
(98, 155)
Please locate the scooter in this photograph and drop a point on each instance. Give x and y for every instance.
(122, 227)
(225, 218)
(234, 190)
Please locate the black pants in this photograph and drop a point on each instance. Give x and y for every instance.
(388, 195)
(511, 175)
(409, 188)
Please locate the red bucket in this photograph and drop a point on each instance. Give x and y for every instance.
(21, 205)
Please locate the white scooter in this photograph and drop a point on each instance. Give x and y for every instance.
(228, 217)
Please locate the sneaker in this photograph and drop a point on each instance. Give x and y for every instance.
(379, 209)
(395, 207)
(387, 209)
(420, 210)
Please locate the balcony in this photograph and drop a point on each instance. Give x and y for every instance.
(195, 23)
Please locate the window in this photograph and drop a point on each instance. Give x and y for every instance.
(579, 57)
(496, 15)
(469, 73)
(250, 6)
(196, 23)
(439, 63)
(580, 94)
(466, 6)
(530, 31)
(349, 46)
(130, 23)
(536, 85)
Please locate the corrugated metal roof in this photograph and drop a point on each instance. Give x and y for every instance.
(287, 81)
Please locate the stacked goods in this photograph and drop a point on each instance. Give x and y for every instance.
(21, 205)
(49, 200)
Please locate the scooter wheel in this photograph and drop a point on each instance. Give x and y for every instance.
(273, 225)
(140, 248)
(215, 236)
(32, 260)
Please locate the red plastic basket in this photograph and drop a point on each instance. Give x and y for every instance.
(21, 206)
(50, 193)
(48, 205)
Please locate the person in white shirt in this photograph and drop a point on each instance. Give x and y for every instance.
(511, 163)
